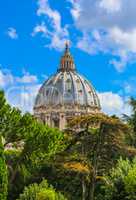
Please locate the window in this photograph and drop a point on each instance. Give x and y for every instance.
(90, 92)
(80, 91)
(56, 93)
(68, 80)
(69, 84)
(56, 123)
(47, 92)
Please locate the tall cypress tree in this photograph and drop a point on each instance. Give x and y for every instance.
(3, 173)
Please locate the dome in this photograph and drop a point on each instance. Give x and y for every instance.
(65, 92)
(67, 87)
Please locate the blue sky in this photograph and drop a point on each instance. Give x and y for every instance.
(102, 34)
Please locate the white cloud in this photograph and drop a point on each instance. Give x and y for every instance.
(129, 86)
(114, 21)
(6, 78)
(22, 96)
(27, 78)
(99, 18)
(56, 33)
(111, 5)
(20, 91)
(123, 58)
(54, 16)
(12, 33)
(114, 104)
(75, 11)
(40, 28)
(92, 43)
(125, 39)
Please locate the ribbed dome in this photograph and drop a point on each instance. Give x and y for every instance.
(67, 87)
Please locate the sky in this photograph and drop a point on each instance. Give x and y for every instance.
(102, 35)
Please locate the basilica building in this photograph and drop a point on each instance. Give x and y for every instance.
(65, 94)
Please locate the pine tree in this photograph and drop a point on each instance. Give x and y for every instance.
(102, 139)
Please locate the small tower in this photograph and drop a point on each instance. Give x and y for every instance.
(67, 62)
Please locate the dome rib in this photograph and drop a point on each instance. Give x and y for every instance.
(74, 87)
(84, 89)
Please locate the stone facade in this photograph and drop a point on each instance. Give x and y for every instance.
(65, 94)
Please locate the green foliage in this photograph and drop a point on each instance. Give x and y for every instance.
(43, 191)
(77, 160)
(39, 144)
(63, 179)
(3, 174)
(102, 141)
(131, 120)
(121, 183)
(11, 155)
(13, 126)
(69, 161)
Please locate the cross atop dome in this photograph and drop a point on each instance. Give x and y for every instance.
(67, 62)
(67, 44)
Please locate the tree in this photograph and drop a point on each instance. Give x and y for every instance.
(102, 141)
(3, 173)
(43, 191)
(33, 142)
(12, 123)
(40, 146)
(120, 184)
(41, 143)
(131, 120)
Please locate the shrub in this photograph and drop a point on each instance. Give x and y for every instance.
(121, 183)
(43, 191)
